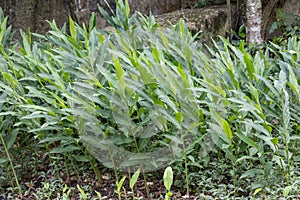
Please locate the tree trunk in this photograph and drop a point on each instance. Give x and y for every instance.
(34, 13)
(254, 21)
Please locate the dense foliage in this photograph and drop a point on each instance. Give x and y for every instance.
(143, 96)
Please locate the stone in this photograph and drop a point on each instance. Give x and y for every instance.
(210, 21)
(292, 6)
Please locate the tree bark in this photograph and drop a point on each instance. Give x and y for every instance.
(254, 21)
(34, 13)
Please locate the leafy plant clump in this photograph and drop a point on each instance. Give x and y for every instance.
(144, 97)
(286, 26)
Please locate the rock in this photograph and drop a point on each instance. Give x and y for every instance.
(292, 6)
(159, 6)
(210, 21)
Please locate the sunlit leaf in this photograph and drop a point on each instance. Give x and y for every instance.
(168, 178)
(134, 178)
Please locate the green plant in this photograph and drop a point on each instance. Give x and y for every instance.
(83, 195)
(66, 192)
(121, 20)
(11, 165)
(119, 186)
(168, 181)
(6, 33)
(133, 181)
(287, 25)
(98, 195)
(8, 114)
(133, 77)
(202, 3)
(239, 35)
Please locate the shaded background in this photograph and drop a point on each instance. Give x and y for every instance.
(34, 13)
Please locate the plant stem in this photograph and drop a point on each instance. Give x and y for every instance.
(186, 168)
(67, 168)
(94, 165)
(114, 165)
(74, 167)
(129, 177)
(143, 171)
(12, 166)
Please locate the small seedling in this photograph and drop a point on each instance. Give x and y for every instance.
(168, 181)
(99, 195)
(83, 195)
(133, 181)
(66, 192)
(119, 186)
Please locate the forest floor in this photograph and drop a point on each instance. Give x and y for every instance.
(45, 185)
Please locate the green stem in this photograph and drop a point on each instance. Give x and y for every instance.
(186, 168)
(186, 174)
(94, 165)
(50, 157)
(12, 166)
(143, 171)
(119, 195)
(67, 168)
(234, 179)
(129, 177)
(114, 165)
(74, 167)
(9, 177)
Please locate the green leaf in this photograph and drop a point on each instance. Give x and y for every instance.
(73, 29)
(3, 160)
(2, 29)
(179, 117)
(293, 82)
(257, 191)
(26, 44)
(168, 178)
(227, 129)
(83, 195)
(65, 149)
(83, 158)
(134, 178)
(287, 190)
(11, 138)
(98, 194)
(252, 172)
(92, 22)
(247, 140)
(120, 73)
(134, 162)
(188, 53)
(164, 39)
(127, 9)
(120, 183)
(249, 65)
(8, 113)
(106, 16)
(275, 141)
